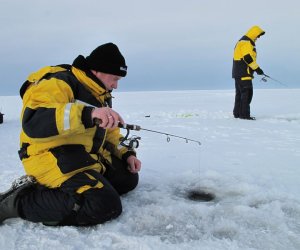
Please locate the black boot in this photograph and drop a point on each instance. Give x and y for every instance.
(9, 199)
(249, 118)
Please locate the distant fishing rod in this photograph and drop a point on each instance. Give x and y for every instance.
(264, 79)
(138, 128)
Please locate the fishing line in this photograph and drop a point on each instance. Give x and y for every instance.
(197, 194)
(265, 79)
(193, 194)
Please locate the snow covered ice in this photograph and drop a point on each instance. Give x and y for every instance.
(253, 167)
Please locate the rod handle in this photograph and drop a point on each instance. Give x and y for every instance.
(98, 121)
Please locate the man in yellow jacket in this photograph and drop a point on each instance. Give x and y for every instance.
(244, 65)
(76, 168)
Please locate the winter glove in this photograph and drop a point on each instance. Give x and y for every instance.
(259, 71)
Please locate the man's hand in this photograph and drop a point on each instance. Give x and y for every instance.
(134, 164)
(259, 71)
(108, 117)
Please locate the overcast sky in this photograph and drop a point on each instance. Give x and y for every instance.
(168, 44)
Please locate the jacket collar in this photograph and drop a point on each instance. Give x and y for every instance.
(87, 78)
(80, 63)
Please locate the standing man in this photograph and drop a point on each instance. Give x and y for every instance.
(244, 65)
(76, 168)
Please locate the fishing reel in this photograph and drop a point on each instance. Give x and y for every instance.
(130, 142)
(264, 79)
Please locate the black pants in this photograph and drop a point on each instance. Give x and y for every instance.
(63, 206)
(243, 98)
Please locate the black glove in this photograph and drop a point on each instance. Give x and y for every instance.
(259, 71)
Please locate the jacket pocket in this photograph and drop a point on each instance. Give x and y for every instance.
(72, 157)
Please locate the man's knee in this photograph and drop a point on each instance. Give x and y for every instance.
(120, 177)
(99, 206)
(127, 184)
(132, 182)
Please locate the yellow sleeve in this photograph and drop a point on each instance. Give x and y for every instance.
(49, 111)
(249, 55)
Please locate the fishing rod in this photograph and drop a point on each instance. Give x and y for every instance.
(134, 143)
(264, 79)
(138, 128)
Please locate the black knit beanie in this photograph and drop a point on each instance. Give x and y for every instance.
(107, 58)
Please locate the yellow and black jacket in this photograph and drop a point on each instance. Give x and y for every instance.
(58, 137)
(244, 58)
